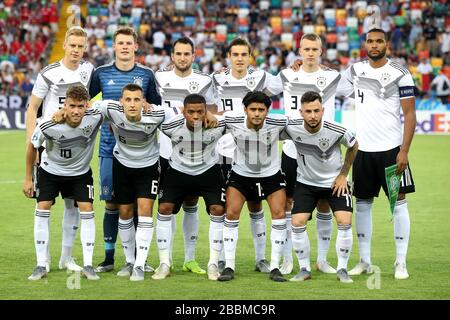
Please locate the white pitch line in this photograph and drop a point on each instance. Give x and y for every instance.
(10, 181)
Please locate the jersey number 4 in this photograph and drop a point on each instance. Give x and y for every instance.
(361, 95)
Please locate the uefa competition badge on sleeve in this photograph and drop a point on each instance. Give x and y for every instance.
(393, 185)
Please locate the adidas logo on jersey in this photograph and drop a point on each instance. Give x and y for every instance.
(61, 81)
(226, 83)
(167, 85)
(111, 82)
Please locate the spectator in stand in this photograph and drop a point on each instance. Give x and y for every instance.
(442, 86)
(26, 87)
(425, 69)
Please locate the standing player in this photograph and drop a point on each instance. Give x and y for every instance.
(310, 76)
(255, 175)
(64, 168)
(135, 172)
(193, 170)
(381, 88)
(109, 80)
(49, 91)
(232, 85)
(321, 175)
(174, 85)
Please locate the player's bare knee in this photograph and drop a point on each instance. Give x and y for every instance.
(85, 206)
(254, 206)
(111, 205)
(289, 204)
(278, 214)
(233, 215)
(216, 210)
(300, 219)
(343, 217)
(44, 205)
(401, 196)
(190, 201)
(165, 208)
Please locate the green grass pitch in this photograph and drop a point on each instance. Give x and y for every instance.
(428, 256)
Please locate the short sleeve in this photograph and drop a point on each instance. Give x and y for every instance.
(41, 87)
(273, 83)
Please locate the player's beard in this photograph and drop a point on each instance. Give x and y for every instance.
(186, 68)
(378, 57)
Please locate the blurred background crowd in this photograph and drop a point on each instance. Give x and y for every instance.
(419, 32)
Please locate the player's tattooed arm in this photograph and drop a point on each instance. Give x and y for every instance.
(340, 185)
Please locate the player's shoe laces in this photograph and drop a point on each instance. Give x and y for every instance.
(276, 276)
(343, 277)
(262, 266)
(400, 271)
(137, 274)
(221, 265)
(193, 266)
(148, 268)
(69, 264)
(213, 272)
(360, 268)
(126, 270)
(226, 275)
(89, 273)
(286, 267)
(162, 272)
(325, 267)
(38, 273)
(104, 267)
(303, 275)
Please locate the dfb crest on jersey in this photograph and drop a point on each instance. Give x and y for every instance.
(385, 77)
(251, 82)
(193, 87)
(87, 130)
(324, 143)
(321, 82)
(139, 81)
(84, 76)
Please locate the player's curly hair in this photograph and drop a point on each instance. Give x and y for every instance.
(258, 97)
(78, 93)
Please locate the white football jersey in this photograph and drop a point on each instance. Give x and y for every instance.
(194, 152)
(231, 91)
(173, 89)
(256, 154)
(319, 155)
(377, 93)
(295, 84)
(136, 142)
(68, 151)
(54, 80)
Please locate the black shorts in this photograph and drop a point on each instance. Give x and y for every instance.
(289, 169)
(80, 188)
(177, 185)
(306, 198)
(368, 174)
(163, 166)
(256, 189)
(132, 183)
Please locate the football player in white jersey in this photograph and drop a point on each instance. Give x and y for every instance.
(255, 176)
(321, 175)
(193, 171)
(135, 171)
(310, 76)
(232, 85)
(64, 168)
(382, 89)
(49, 91)
(174, 85)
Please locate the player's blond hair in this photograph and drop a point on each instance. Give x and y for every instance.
(311, 37)
(75, 31)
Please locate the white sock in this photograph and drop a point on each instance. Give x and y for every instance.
(87, 235)
(287, 250)
(163, 237)
(127, 235)
(401, 229)
(41, 235)
(258, 227)
(300, 242)
(70, 222)
(173, 224)
(222, 254)
(324, 226)
(230, 238)
(277, 238)
(144, 235)
(190, 231)
(363, 222)
(344, 242)
(215, 238)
